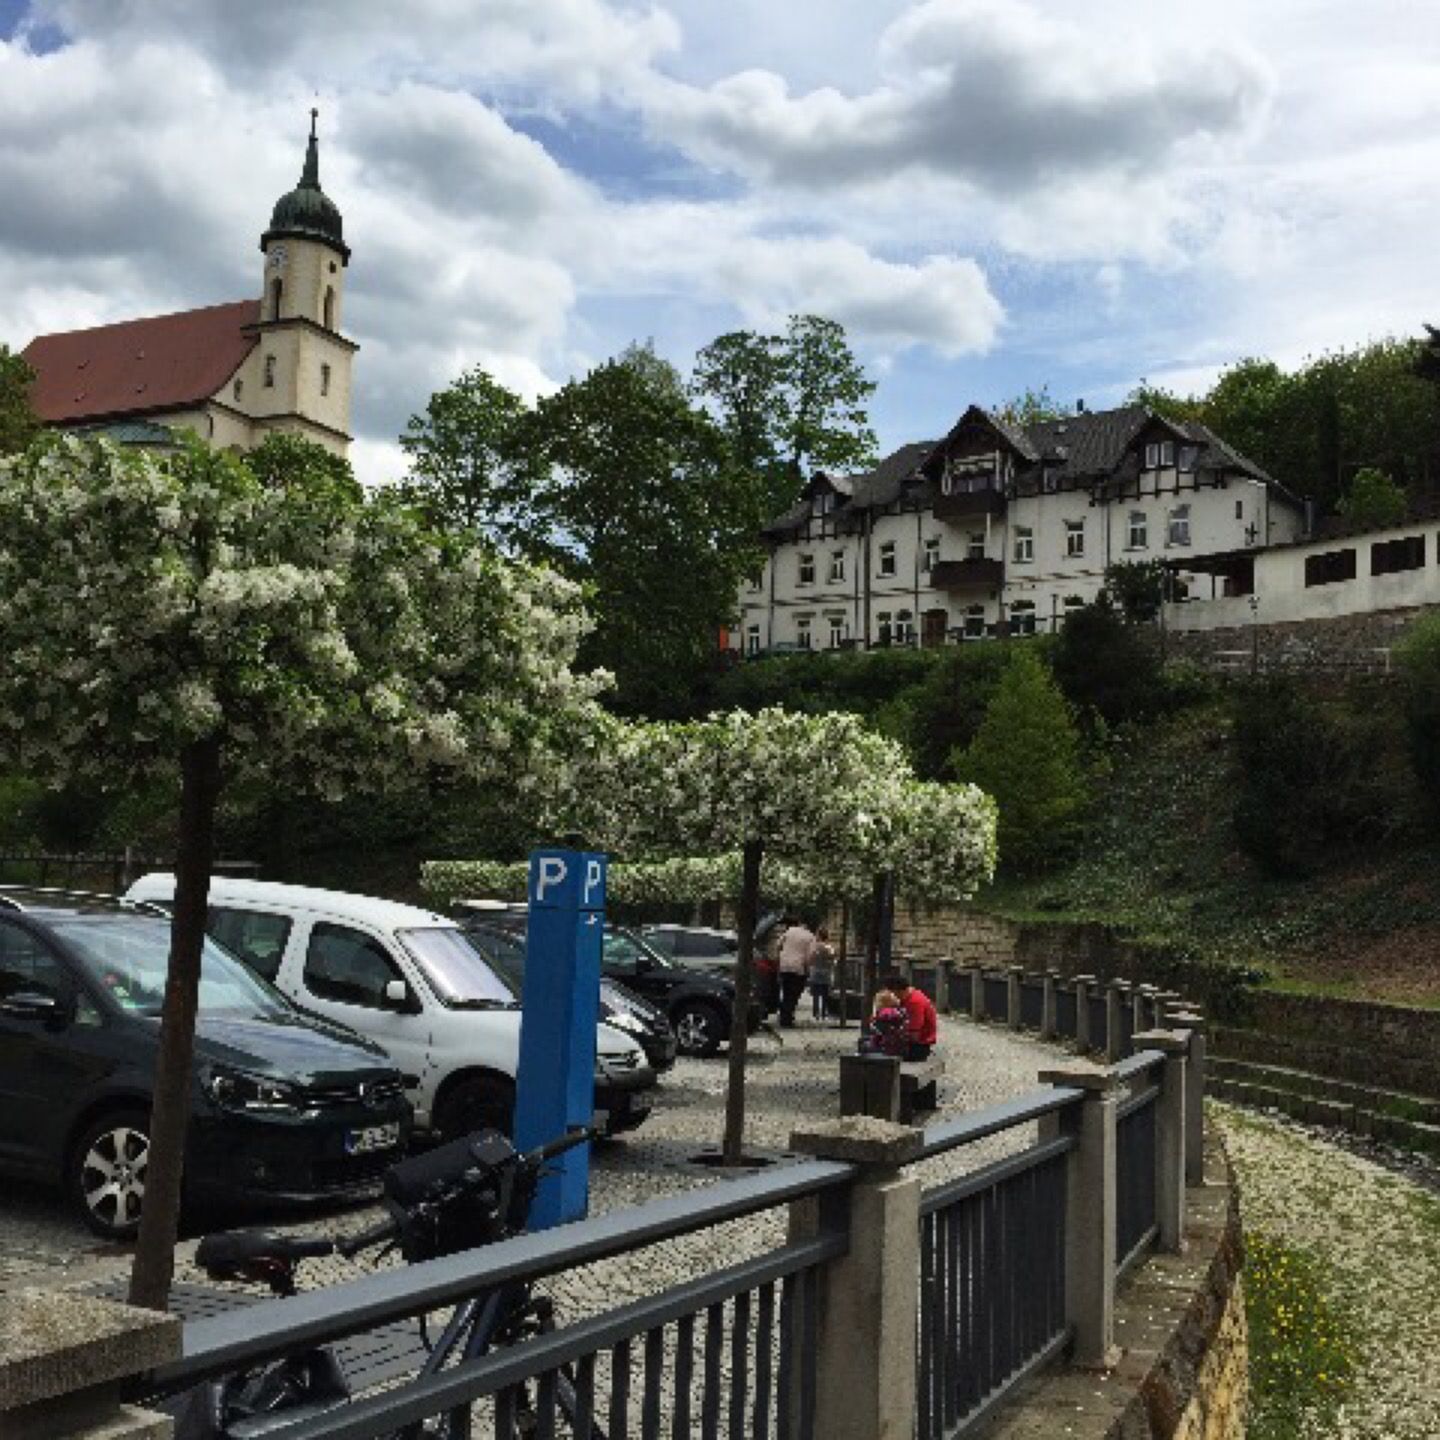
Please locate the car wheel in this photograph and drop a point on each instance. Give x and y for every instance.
(106, 1178)
(479, 1103)
(700, 1029)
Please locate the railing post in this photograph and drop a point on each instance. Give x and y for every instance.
(1090, 1212)
(1139, 996)
(64, 1359)
(870, 1297)
(1194, 1023)
(1013, 980)
(977, 992)
(1169, 1135)
(1114, 1024)
(1047, 1004)
(942, 986)
(1083, 1040)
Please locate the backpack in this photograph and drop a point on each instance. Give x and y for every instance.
(887, 1035)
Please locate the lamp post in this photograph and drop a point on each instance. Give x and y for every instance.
(1254, 635)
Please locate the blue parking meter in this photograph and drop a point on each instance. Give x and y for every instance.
(560, 1008)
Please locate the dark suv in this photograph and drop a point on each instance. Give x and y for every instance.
(285, 1106)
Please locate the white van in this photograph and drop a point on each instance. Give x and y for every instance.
(411, 981)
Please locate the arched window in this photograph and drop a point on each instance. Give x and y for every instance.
(329, 307)
(277, 288)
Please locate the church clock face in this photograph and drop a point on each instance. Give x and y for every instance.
(277, 257)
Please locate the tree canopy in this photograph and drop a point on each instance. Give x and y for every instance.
(1372, 499)
(18, 424)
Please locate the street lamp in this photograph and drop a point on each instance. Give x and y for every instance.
(1254, 635)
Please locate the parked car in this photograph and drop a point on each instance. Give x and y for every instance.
(413, 982)
(695, 945)
(619, 1005)
(285, 1106)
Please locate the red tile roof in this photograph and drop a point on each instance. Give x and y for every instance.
(164, 362)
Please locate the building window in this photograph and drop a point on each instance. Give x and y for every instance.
(329, 307)
(1188, 455)
(1389, 557)
(1069, 605)
(1330, 568)
(807, 570)
(1178, 526)
(837, 630)
(752, 640)
(883, 631)
(887, 558)
(324, 379)
(754, 582)
(904, 628)
(1137, 536)
(803, 624)
(932, 553)
(1049, 481)
(975, 545)
(1074, 539)
(1024, 544)
(239, 389)
(837, 564)
(824, 502)
(975, 622)
(1159, 454)
(269, 372)
(277, 289)
(1022, 617)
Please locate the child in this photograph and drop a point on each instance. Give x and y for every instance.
(886, 1033)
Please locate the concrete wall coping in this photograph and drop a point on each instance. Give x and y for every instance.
(860, 1140)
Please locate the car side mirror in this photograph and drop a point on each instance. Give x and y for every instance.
(36, 1005)
(397, 993)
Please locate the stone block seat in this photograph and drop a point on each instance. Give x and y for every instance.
(919, 1087)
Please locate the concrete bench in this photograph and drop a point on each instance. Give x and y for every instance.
(919, 1087)
(888, 1089)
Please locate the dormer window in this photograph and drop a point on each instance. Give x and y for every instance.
(1160, 455)
(825, 502)
(1188, 456)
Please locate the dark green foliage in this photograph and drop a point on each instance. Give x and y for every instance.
(1106, 666)
(1418, 657)
(1372, 500)
(1137, 587)
(291, 460)
(18, 424)
(1027, 755)
(1031, 407)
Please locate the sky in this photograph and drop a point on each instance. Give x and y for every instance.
(990, 195)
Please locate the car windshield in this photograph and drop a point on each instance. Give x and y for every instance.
(128, 957)
(458, 970)
(625, 947)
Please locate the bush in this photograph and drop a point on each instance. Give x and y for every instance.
(1107, 666)
(1418, 657)
(1026, 754)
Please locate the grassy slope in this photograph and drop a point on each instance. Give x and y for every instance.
(1158, 859)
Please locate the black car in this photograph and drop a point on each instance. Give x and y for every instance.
(620, 1007)
(285, 1106)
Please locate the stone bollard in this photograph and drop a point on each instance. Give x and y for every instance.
(1014, 978)
(977, 992)
(1193, 1023)
(1169, 1135)
(1048, 1027)
(942, 986)
(1115, 998)
(1083, 1040)
(869, 1298)
(1090, 1212)
(64, 1359)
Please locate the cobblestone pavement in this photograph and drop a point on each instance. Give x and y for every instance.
(789, 1082)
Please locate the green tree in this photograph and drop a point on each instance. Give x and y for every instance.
(1373, 499)
(1027, 755)
(473, 465)
(1031, 407)
(642, 502)
(18, 424)
(1137, 588)
(173, 618)
(1106, 666)
(740, 374)
(1418, 656)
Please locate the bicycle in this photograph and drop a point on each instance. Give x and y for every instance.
(469, 1192)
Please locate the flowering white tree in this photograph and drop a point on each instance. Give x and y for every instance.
(181, 617)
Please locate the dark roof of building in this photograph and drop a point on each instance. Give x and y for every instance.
(163, 362)
(307, 212)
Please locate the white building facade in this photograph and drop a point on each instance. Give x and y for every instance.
(999, 530)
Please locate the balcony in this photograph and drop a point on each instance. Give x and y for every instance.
(966, 504)
(967, 574)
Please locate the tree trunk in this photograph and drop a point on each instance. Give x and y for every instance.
(872, 943)
(842, 962)
(154, 1264)
(732, 1150)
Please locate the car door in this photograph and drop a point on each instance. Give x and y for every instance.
(344, 973)
(47, 1066)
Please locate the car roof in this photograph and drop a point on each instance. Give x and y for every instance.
(46, 902)
(384, 913)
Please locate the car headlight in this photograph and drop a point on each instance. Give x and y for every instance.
(623, 1020)
(234, 1090)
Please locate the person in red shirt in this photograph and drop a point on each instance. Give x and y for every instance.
(923, 1029)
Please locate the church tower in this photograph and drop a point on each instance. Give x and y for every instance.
(298, 378)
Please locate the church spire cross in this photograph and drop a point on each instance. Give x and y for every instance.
(310, 175)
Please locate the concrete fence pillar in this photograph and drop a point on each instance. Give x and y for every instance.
(1048, 1027)
(942, 986)
(1090, 1212)
(64, 1359)
(1014, 979)
(1083, 1039)
(870, 1085)
(869, 1298)
(977, 992)
(1193, 1023)
(1115, 998)
(1169, 1135)
(1143, 1014)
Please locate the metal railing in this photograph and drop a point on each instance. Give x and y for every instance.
(1136, 1218)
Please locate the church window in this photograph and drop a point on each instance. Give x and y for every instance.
(329, 307)
(239, 388)
(277, 288)
(269, 372)
(324, 379)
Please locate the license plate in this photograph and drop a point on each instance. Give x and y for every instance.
(377, 1137)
